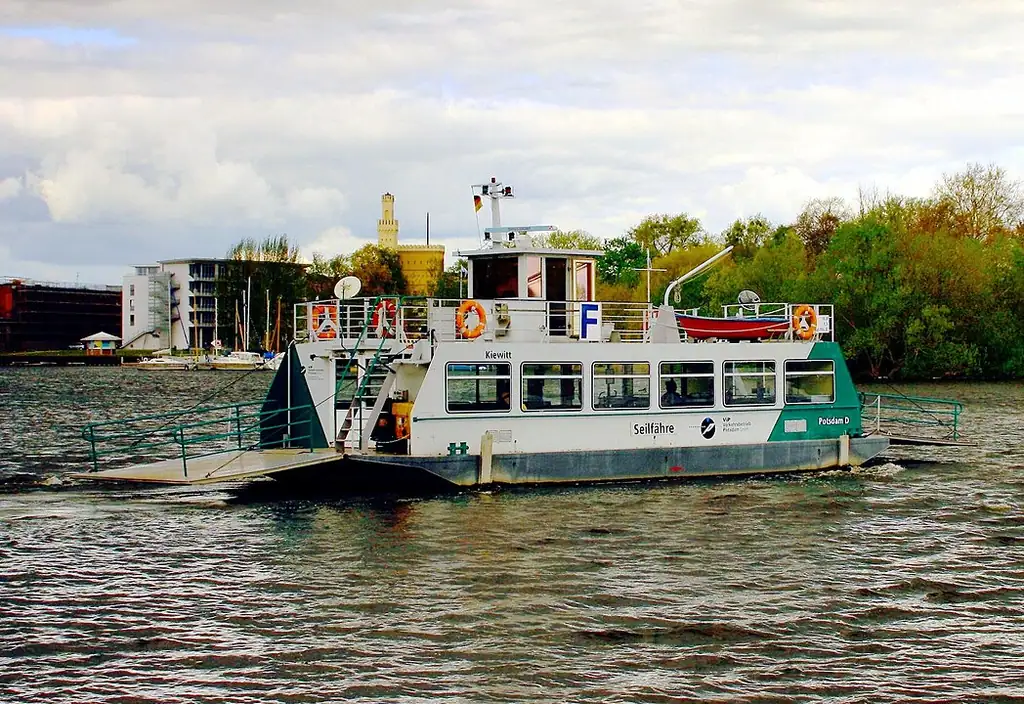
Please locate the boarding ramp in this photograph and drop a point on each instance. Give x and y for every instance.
(913, 420)
(205, 445)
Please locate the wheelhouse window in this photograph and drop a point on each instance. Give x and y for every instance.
(749, 383)
(687, 384)
(496, 277)
(810, 381)
(475, 388)
(622, 385)
(534, 279)
(552, 387)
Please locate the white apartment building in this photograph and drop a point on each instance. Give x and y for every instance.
(171, 304)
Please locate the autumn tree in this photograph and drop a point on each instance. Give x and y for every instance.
(379, 270)
(982, 201)
(818, 222)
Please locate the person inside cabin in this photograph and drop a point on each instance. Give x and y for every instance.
(671, 397)
(504, 397)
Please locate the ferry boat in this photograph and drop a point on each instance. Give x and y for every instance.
(529, 379)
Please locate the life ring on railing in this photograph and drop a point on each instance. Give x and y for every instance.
(805, 322)
(385, 317)
(460, 320)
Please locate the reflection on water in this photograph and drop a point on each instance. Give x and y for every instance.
(903, 581)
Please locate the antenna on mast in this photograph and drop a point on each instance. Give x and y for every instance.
(496, 191)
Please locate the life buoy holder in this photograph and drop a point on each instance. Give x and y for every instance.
(460, 320)
(385, 317)
(805, 322)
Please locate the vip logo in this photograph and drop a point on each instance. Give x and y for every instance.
(707, 428)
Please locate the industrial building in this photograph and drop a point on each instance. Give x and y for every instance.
(42, 315)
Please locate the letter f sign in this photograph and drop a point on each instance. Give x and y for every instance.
(590, 321)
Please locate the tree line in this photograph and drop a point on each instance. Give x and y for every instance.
(922, 287)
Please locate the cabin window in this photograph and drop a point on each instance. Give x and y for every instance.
(534, 282)
(810, 381)
(749, 383)
(496, 277)
(584, 273)
(687, 384)
(473, 388)
(618, 385)
(552, 387)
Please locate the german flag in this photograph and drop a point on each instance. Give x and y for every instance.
(477, 203)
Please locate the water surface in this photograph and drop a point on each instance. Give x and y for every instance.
(899, 582)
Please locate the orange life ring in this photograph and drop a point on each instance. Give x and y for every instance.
(805, 322)
(325, 322)
(385, 317)
(460, 320)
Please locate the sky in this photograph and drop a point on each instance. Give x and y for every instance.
(138, 130)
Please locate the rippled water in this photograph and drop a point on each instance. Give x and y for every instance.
(899, 582)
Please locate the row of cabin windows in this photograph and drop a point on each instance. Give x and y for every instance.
(627, 385)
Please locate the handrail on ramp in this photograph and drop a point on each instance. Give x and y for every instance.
(195, 433)
(913, 419)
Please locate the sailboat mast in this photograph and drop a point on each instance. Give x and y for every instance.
(248, 304)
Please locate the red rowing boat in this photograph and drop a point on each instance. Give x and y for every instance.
(700, 328)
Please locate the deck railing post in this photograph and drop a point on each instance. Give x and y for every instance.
(180, 432)
(238, 427)
(310, 431)
(878, 413)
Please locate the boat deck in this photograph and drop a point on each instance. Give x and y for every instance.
(230, 466)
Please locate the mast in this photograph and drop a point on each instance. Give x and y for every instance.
(648, 270)
(248, 306)
(496, 191)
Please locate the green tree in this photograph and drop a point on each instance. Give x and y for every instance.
(660, 234)
(323, 273)
(573, 239)
(622, 257)
(451, 282)
(270, 268)
(747, 235)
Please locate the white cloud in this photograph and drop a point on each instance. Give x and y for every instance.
(333, 241)
(253, 120)
(10, 188)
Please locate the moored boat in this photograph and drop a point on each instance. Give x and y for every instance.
(164, 363)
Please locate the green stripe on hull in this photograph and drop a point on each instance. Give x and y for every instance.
(821, 421)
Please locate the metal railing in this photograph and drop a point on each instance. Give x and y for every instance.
(195, 433)
(914, 417)
(412, 318)
(519, 319)
(824, 316)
